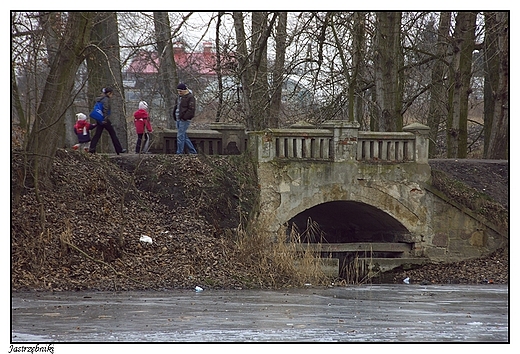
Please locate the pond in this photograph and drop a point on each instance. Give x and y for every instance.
(397, 313)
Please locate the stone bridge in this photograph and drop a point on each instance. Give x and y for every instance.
(348, 192)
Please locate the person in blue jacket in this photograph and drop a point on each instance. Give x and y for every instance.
(106, 124)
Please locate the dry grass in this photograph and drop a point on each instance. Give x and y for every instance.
(280, 259)
(360, 270)
(276, 261)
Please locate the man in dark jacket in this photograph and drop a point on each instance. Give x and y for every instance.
(106, 124)
(183, 114)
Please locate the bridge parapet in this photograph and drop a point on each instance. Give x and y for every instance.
(336, 141)
(294, 143)
(341, 141)
(219, 139)
(391, 147)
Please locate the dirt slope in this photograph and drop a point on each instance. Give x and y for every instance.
(85, 233)
(481, 177)
(91, 239)
(490, 177)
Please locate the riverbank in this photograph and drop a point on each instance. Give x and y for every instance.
(86, 231)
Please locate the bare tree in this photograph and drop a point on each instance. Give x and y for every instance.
(345, 79)
(52, 24)
(337, 60)
(496, 94)
(49, 124)
(30, 67)
(463, 44)
(355, 103)
(167, 68)
(388, 63)
(253, 66)
(219, 67)
(17, 102)
(104, 66)
(278, 70)
(438, 93)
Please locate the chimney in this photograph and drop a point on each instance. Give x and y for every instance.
(178, 48)
(208, 48)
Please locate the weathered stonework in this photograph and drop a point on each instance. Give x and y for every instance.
(440, 240)
(300, 168)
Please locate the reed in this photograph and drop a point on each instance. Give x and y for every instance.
(360, 270)
(280, 260)
(275, 259)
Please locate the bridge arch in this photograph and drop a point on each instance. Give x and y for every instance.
(347, 222)
(355, 236)
(398, 204)
(382, 179)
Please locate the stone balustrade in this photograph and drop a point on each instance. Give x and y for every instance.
(391, 147)
(341, 141)
(334, 141)
(219, 139)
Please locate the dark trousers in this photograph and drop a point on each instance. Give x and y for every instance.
(110, 129)
(140, 142)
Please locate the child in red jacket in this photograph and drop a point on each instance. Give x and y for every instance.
(142, 121)
(82, 129)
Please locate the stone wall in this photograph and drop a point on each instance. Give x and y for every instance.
(305, 166)
(302, 167)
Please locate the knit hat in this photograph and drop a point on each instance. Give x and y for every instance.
(106, 90)
(182, 87)
(81, 116)
(143, 105)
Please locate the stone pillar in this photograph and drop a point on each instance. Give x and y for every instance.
(233, 137)
(345, 139)
(261, 146)
(421, 133)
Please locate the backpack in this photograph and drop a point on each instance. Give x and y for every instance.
(97, 112)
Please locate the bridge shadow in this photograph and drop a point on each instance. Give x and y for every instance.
(347, 230)
(348, 221)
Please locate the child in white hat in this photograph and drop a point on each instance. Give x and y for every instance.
(142, 125)
(82, 129)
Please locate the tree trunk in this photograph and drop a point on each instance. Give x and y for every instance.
(278, 71)
(355, 103)
(167, 69)
(496, 86)
(244, 69)
(253, 68)
(219, 67)
(260, 92)
(17, 102)
(438, 91)
(48, 127)
(52, 25)
(463, 46)
(388, 62)
(105, 70)
(349, 85)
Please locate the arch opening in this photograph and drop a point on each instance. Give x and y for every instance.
(354, 223)
(345, 222)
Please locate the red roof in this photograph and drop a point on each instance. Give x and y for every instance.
(145, 62)
(203, 63)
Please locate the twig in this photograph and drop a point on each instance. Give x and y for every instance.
(102, 262)
(123, 197)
